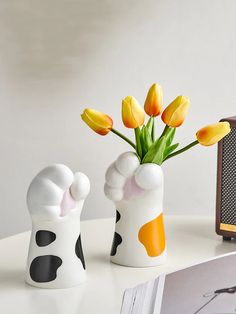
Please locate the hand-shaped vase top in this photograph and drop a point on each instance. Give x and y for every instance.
(130, 184)
(55, 191)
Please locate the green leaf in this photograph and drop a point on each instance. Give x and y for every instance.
(143, 142)
(147, 137)
(169, 150)
(138, 142)
(170, 134)
(149, 125)
(155, 152)
(159, 156)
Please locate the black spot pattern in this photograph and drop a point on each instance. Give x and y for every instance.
(117, 216)
(44, 237)
(116, 241)
(79, 251)
(44, 268)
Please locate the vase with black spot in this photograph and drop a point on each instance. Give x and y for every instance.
(137, 192)
(55, 200)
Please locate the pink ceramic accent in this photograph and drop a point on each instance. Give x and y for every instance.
(67, 203)
(132, 190)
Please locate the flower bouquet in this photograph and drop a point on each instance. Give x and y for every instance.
(134, 182)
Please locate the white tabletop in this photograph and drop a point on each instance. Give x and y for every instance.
(189, 240)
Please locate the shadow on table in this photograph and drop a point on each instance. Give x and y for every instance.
(194, 230)
(225, 247)
(60, 301)
(12, 278)
(97, 259)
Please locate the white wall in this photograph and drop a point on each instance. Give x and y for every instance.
(60, 56)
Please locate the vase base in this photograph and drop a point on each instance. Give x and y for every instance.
(149, 262)
(54, 284)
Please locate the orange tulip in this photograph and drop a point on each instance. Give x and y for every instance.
(154, 102)
(132, 113)
(174, 114)
(211, 134)
(97, 121)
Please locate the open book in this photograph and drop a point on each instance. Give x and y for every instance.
(205, 288)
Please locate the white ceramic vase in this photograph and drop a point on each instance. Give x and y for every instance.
(137, 192)
(55, 199)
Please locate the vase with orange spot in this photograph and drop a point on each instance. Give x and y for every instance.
(137, 192)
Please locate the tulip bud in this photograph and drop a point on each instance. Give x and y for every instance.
(154, 101)
(211, 134)
(132, 113)
(174, 114)
(97, 121)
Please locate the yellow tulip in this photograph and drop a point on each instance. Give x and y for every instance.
(174, 114)
(154, 102)
(132, 113)
(211, 134)
(97, 121)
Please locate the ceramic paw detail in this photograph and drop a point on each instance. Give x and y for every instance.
(55, 199)
(127, 181)
(55, 191)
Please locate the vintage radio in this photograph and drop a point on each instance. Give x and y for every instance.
(226, 184)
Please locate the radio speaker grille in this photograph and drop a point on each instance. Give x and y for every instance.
(228, 191)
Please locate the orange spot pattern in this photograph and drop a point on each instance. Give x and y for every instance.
(152, 236)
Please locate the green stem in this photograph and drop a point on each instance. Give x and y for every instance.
(165, 130)
(150, 127)
(153, 130)
(182, 150)
(123, 137)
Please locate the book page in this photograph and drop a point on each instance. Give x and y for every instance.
(207, 288)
